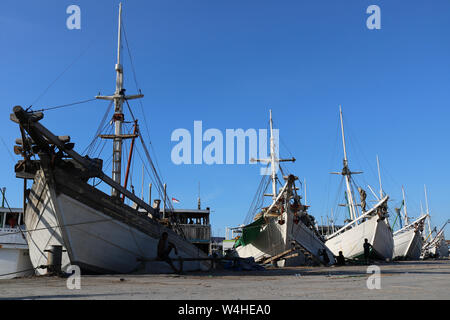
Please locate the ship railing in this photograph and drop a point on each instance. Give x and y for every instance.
(410, 226)
(354, 222)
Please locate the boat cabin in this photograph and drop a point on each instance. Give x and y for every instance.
(196, 227)
(11, 218)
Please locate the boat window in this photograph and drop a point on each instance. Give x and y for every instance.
(12, 220)
(2, 220)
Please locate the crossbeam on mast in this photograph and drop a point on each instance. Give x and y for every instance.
(273, 160)
(347, 173)
(118, 97)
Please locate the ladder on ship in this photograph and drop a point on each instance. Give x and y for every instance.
(308, 254)
(294, 252)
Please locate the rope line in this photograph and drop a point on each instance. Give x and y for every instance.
(65, 105)
(18, 272)
(62, 73)
(54, 227)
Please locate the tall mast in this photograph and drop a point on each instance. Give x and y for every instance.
(379, 178)
(346, 172)
(199, 204)
(306, 203)
(118, 111)
(272, 158)
(274, 161)
(428, 212)
(404, 206)
(119, 97)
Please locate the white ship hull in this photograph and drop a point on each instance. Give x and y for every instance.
(95, 238)
(275, 239)
(408, 244)
(441, 248)
(351, 241)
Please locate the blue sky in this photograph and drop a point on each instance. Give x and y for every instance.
(227, 63)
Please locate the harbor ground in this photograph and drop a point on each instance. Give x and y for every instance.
(429, 279)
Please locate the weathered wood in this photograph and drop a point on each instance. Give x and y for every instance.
(278, 256)
(291, 256)
(307, 253)
(196, 231)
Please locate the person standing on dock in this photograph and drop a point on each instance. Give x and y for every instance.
(164, 249)
(367, 247)
(340, 260)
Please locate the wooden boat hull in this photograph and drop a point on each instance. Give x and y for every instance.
(99, 236)
(441, 248)
(351, 241)
(275, 239)
(408, 245)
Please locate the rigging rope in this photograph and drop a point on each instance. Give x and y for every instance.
(19, 272)
(7, 149)
(100, 128)
(65, 105)
(140, 101)
(258, 199)
(61, 74)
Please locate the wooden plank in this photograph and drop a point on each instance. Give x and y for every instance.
(291, 256)
(278, 256)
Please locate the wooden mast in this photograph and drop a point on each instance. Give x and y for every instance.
(130, 157)
(404, 207)
(379, 178)
(347, 173)
(119, 97)
(274, 161)
(428, 212)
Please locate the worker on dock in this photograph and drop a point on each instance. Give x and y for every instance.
(367, 247)
(164, 249)
(340, 260)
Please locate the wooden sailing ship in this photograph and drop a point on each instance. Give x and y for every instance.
(371, 224)
(434, 244)
(100, 233)
(408, 240)
(283, 233)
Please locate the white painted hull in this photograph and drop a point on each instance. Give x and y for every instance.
(94, 240)
(408, 245)
(351, 241)
(275, 239)
(441, 248)
(15, 262)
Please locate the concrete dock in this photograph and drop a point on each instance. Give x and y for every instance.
(400, 280)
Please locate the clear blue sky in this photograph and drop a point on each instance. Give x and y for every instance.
(226, 63)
